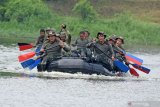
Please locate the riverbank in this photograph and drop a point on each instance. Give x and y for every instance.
(134, 30)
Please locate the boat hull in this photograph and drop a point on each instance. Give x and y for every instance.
(75, 65)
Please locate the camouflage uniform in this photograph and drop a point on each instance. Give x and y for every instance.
(53, 51)
(68, 35)
(66, 49)
(102, 54)
(119, 53)
(81, 46)
(39, 43)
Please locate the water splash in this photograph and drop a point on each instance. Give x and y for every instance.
(9, 63)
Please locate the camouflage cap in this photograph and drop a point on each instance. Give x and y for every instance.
(48, 29)
(113, 37)
(53, 30)
(51, 34)
(120, 38)
(101, 33)
(63, 34)
(57, 34)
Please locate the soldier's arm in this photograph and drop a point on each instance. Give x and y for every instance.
(112, 52)
(69, 39)
(66, 47)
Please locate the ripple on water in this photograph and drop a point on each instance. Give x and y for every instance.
(74, 90)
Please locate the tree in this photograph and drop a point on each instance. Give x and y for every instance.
(20, 10)
(85, 10)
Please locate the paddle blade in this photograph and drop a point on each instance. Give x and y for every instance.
(133, 72)
(38, 50)
(121, 66)
(141, 68)
(38, 61)
(26, 56)
(27, 63)
(24, 46)
(133, 59)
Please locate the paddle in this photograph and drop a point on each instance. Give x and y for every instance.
(133, 59)
(133, 72)
(27, 63)
(117, 63)
(38, 61)
(141, 68)
(24, 46)
(26, 56)
(38, 50)
(130, 57)
(121, 66)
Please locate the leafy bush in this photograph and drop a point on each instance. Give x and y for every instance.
(19, 10)
(85, 9)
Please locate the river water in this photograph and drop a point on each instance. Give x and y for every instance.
(77, 90)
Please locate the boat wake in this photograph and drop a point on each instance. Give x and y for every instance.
(94, 77)
(9, 63)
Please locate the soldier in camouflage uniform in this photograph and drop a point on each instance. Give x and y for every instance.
(68, 35)
(118, 49)
(103, 53)
(67, 48)
(40, 40)
(81, 43)
(52, 51)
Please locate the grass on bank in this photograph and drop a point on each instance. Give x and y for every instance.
(134, 31)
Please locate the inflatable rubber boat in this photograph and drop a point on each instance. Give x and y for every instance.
(75, 65)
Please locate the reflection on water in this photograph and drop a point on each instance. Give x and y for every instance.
(59, 89)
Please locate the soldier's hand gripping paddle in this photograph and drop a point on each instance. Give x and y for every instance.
(130, 57)
(116, 62)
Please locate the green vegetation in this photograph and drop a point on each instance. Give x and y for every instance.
(20, 21)
(85, 9)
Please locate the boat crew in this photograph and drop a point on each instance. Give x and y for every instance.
(66, 49)
(40, 39)
(68, 35)
(81, 43)
(87, 35)
(52, 50)
(119, 52)
(101, 51)
(118, 49)
(112, 40)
